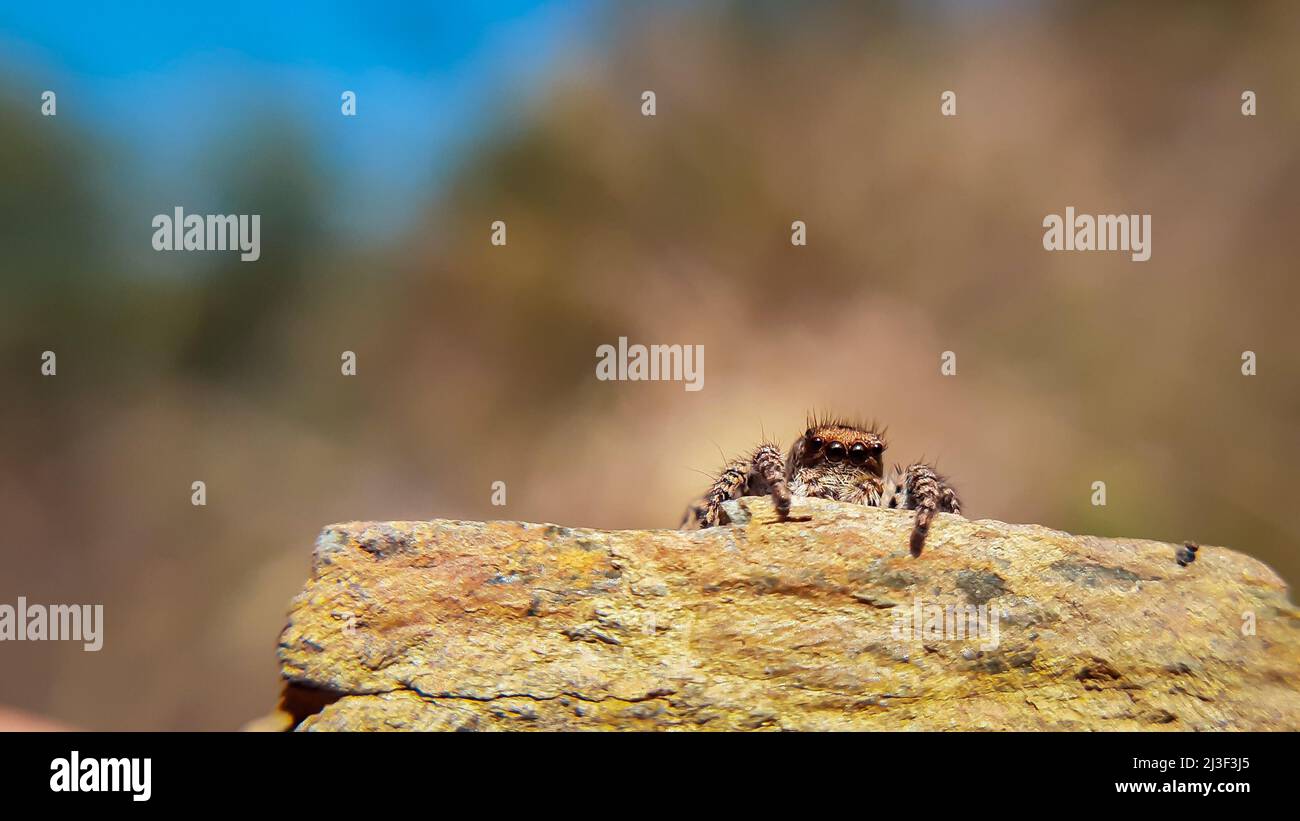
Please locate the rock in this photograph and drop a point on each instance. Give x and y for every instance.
(809, 624)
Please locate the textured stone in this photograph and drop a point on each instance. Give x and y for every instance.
(449, 625)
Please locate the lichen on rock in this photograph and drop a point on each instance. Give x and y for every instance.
(822, 622)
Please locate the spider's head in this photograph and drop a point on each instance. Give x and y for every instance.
(841, 447)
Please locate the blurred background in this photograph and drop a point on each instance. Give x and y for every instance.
(476, 363)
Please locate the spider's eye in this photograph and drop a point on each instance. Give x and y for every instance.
(858, 453)
(815, 444)
(834, 452)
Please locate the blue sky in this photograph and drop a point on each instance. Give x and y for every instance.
(167, 80)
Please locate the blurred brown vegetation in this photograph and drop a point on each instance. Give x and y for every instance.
(476, 363)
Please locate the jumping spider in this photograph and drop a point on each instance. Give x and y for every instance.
(834, 459)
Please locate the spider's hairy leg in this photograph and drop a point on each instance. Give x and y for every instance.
(922, 489)
(762, 472)
(769, 465)
(730, 484)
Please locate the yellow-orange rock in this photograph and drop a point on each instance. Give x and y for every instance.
(794, 625)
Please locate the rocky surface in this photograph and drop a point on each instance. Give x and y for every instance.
(809, 624)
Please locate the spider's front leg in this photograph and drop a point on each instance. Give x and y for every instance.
(763, 472)
(922, 489)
